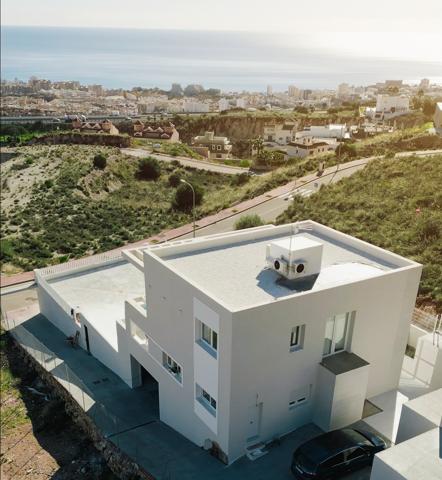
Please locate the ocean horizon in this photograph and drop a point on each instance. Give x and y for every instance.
(229, 60)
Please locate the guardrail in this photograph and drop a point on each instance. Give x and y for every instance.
(72, 265)
(424, 320)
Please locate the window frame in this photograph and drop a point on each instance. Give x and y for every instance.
(297, 335)
(347, 328)
(206, 400)
(212, 342)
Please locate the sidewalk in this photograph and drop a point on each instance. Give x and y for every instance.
(209, 220)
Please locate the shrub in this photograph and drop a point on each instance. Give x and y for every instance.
(346, 150)
(248, 221)
(174, 179)
(149, 168)
(184, 197)
(100, 161)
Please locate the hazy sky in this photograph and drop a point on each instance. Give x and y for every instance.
(390, 28)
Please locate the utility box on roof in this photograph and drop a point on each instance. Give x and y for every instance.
(294, 257)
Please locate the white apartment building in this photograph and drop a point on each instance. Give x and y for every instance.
(438, 118)
(389, 106)
(337, 131)
(249, 334)
(280, 133)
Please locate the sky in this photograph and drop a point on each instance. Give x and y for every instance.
(401, 29)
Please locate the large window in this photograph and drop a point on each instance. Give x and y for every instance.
(208, 336)
(336, 334)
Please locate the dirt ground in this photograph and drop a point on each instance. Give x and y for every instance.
(38, 439)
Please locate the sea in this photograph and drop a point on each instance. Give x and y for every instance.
(230, 60)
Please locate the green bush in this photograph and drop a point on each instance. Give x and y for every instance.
(100, 161)
(248, 221)
(184, 197)
(149, 168)
(174, 179)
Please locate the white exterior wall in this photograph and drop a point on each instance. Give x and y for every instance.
(172, 303)
(385, 103)
(261, 354)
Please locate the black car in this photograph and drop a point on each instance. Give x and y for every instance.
(335, 454)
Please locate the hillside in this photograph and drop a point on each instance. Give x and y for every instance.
(56, 205)
(392, 203)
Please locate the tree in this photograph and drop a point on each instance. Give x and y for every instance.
(149, 168)
(258, 145)
(346, 150)
(184, 197)
(428, 107)
(248, 221)
(100, 161)
(174, 179)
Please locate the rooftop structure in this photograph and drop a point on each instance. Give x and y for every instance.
(106, 126)
(243, 351)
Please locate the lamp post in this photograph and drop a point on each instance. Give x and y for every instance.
(193, 208)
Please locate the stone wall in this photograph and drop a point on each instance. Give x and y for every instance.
(121, 465)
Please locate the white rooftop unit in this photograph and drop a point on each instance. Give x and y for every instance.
(294, 257)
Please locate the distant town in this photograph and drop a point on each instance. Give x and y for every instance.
(60, 98)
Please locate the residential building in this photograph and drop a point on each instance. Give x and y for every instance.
(280, 133)
(424, 84)
(417, 454)
(193, 106)
(217, 147)
(269, 90)
(293, 91)
(106, 126)
(438, 118)
(324, 131)
(248, 335)
(223, 104)
(164, 131)
(309, 146)
(389, 106)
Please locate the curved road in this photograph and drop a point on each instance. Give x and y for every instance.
(185, 161)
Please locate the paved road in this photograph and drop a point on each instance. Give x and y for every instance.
(268, 211)
(188, 162)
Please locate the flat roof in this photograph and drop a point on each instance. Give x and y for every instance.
(100, 293)
(232, 268)
(414, 459)
(428, 406)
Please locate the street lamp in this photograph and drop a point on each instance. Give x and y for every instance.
(193, 208)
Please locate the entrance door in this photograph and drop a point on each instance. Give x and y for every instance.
(254, 422)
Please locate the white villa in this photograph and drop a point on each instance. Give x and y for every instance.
(248, 334)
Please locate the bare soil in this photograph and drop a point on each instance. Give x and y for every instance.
(44, 442)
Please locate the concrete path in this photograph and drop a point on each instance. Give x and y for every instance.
(186, 161)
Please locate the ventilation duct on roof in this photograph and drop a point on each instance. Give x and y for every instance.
(294, 257)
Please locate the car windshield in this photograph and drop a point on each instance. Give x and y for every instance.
(305, 463)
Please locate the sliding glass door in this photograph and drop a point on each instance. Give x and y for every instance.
(336, 334)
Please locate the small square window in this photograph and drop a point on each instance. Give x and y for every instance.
(297, 338)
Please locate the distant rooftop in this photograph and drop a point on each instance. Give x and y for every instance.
(232, 267)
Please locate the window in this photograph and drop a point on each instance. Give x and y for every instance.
(208, 337)
(218, 147)
(205, 399)
(138, 335)
(354, 454)
(213, 147)
(336, 334)
(297, 338)
(333, 461)
(172, 367)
